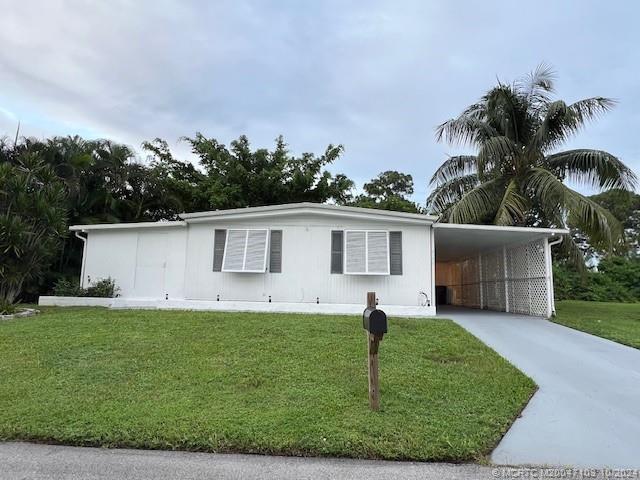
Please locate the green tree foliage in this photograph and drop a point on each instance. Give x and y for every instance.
(516, 176)
(100, 181)
(238, 176)
(388, 191)
(615, 280)
(625, 206)
(32, 221)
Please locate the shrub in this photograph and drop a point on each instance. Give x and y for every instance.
(615, 281)
(67, 288)
(105, 287)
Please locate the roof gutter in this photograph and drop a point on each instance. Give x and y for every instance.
(556, 242)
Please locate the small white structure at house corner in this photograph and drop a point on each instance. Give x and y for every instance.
(316, 258)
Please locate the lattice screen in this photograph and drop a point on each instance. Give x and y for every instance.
(513, 279)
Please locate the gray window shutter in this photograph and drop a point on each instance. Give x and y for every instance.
(218, 249)
(336, 251)
(275, 252)
(395, 253)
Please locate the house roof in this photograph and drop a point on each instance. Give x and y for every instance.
(453, 238)
(304, 208)
(312, 209)
(122, 226)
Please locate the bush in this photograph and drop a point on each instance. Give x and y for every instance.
(67, 288)
(615, 281)
(105, 288)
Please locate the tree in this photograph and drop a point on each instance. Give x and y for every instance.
(239, 176)
(32, 221)
(625, 206)
(388, 191)
(516, 176)
(175, 184)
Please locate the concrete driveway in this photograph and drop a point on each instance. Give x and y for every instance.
(586, 412)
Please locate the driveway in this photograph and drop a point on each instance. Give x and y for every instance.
(586, 412)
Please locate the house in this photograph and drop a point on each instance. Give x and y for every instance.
(308, 257)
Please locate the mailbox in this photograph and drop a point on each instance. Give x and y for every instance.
(374, 320)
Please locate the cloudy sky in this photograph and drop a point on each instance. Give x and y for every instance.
(376, 77)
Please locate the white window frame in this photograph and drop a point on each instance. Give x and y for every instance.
(366, 253)
(244, 259)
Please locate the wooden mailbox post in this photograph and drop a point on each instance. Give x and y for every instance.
(374, 322)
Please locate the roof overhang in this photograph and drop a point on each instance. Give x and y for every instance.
(250, 213)
(123, 226)
(306, 208)
(455, 241)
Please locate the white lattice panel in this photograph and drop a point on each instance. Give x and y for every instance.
(517, 273)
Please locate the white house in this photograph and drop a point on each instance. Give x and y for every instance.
(308, 257)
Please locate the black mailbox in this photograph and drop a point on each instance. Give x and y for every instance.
(374, 320)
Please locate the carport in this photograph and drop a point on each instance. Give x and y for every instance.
(498, 268)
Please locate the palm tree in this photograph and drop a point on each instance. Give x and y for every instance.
(517, 175)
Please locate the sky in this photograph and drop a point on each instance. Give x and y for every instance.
(376, 77)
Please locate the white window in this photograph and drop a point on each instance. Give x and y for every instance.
(366, 252)
(245, 251)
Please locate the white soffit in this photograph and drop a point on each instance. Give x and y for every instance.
(455, 241)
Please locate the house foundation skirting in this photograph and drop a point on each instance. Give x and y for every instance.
(231, 306)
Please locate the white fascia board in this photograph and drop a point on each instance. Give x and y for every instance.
(309, 209)
(123, 226)
(499, 228)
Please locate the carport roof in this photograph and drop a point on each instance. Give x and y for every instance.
(454, 241)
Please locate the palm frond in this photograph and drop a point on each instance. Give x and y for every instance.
(537, 84)
(477, 204)
(512, 207)
(450, 192)
(591, 108)
(595, 168)
(581, 212)
(561, 121)
(506, 111)
(464, 130)
(497, 150)
(569, 248)
(456, 166)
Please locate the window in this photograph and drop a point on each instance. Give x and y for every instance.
(337, 248)
(275, 252)
(245, 250)
(366, 252)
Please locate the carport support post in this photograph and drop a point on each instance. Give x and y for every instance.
(373, 342)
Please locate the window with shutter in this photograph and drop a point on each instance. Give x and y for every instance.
(395, 253)
(275, 252)
(366, 252)
(219, 239)
(337, 252)
(245, 251)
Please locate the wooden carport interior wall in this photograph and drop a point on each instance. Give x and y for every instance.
(514, 278)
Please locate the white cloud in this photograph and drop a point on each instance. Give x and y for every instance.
(376, 77)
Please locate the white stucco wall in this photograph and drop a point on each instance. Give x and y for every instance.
(178, 261)
(306, 265)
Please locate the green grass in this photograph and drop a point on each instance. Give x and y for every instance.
(619, 322)
(256, 383)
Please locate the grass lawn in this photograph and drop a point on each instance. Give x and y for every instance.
(261, 383)
(619, 322)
